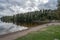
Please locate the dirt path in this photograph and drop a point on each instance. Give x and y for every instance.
(13, 36)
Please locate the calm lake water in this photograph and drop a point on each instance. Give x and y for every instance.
(10, 27)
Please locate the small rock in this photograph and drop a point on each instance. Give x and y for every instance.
(56, 39)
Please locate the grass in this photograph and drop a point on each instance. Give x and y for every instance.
(51, 33)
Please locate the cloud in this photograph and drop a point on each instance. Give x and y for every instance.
(10, 7)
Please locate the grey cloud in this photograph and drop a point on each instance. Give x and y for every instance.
(10, 7)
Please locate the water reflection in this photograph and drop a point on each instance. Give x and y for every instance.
(10, 27)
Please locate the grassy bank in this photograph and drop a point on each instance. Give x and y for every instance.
(49, 33)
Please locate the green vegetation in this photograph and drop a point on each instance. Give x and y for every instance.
(58, 9)
(31, 17)
(7, 18)
(49, 33)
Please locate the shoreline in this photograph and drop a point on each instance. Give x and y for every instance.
(1, 36)
(15, 35)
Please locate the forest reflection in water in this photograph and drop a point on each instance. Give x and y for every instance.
(6, 28)
(29, 24)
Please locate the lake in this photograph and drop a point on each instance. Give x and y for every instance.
(6, 28)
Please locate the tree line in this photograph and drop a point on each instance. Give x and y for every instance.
(28, 17)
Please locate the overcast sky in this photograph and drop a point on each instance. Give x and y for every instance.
(10, 7)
